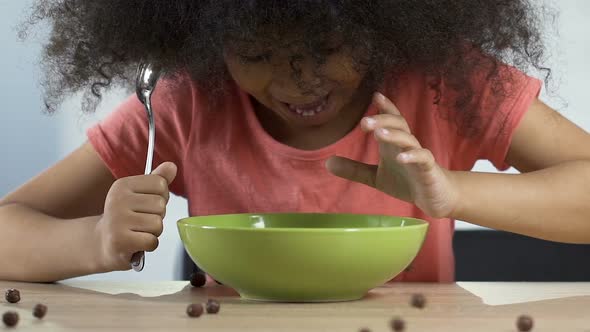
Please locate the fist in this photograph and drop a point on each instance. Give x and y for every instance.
(134, 209)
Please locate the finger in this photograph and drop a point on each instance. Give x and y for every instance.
(141, 241)
(147, 223)
(147, 203)
(352, 170)
(385, 120)
(385, 105)
(147, 184)
(134, 242)
(167, 170)
(421, 158)
(399, 138)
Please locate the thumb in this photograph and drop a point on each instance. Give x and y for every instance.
(352, 170)
(166, 170)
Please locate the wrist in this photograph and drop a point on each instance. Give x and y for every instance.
(457, 196)
(91, 256)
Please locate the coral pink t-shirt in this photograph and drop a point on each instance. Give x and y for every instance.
(229, 164)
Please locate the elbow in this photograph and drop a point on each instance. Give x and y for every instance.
(584, 207)
(576, 226)
(5, 201)
(27, 279)
(577, 223)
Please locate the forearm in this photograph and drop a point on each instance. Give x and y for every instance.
(39, 248)
(551, 204)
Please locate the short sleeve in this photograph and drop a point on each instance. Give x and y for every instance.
(495, 148)
(121, 139)
(498, 116)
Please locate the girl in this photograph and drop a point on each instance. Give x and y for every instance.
(351, 106)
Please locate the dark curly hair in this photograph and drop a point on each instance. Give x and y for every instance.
(95, 45)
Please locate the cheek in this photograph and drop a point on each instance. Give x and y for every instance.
(342, 69)
(252, 78)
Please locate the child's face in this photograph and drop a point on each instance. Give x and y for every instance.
(290, 82)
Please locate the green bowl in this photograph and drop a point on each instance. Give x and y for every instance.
(302, 257)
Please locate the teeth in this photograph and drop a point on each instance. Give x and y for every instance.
(307, 112)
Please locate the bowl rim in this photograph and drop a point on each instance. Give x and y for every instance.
(185, 222)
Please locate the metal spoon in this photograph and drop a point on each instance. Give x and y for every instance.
(145, 83)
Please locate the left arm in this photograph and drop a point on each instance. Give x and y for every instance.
(550, 199)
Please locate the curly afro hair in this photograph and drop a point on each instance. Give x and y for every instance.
(95, 45)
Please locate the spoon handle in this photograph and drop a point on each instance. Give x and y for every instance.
(138, 259)
(151, 132)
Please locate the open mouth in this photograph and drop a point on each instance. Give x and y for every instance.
(310, 109)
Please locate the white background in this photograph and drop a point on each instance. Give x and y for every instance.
(31, 141)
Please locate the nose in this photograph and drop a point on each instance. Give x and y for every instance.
(297, 72)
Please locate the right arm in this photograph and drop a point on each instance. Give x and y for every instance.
(74, 219)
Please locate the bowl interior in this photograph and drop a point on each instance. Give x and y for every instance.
(301, 221)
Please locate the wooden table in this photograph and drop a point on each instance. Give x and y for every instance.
(160, 306)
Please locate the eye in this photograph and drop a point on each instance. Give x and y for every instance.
(328, 47)
(330, 50)
(255, 58)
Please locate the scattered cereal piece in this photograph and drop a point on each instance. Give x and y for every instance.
(40, 310)
(198, 279)
(524, 323)
(10, 318)
(418, 301)
(212, 306)
(12, 295)
(398, 324)
(194, 310)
